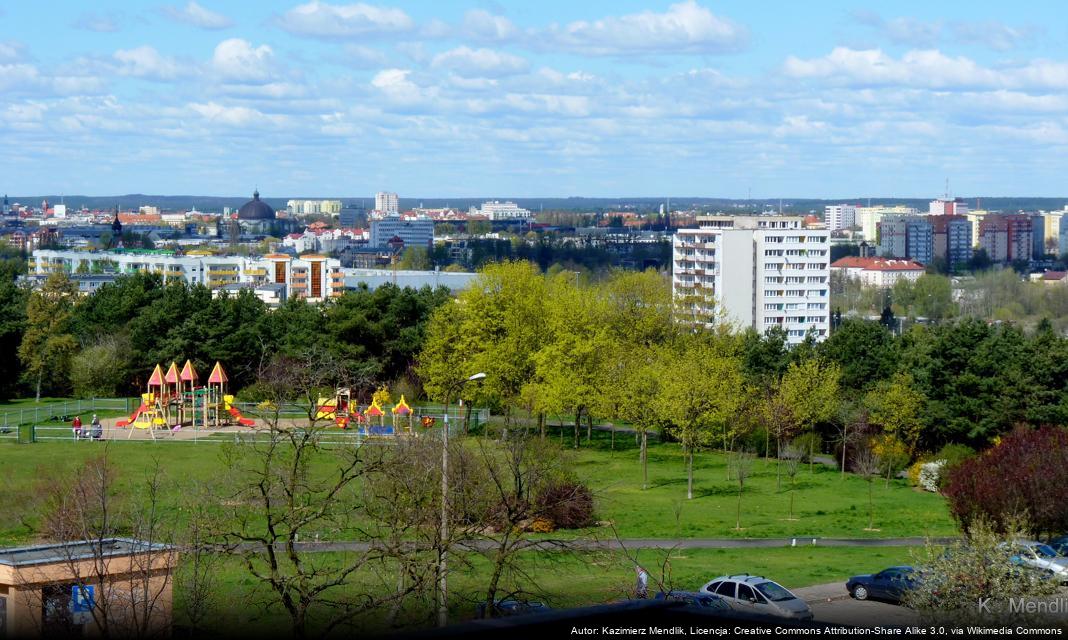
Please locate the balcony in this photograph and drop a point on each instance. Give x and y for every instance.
(222, 272)
(255, 272)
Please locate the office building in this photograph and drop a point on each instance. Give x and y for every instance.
(753, 271)
(1006, 238)
(1051, 223)
(413, 232)
(387, 203)
(952, 240)
(878, 272)
(868, 218)
(351, 218)
(494, 210)
(839, 216)
(311, 276)
(908, 237)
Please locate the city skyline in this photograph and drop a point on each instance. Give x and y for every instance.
(627, 99)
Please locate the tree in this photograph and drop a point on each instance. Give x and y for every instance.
(699, 391)
(101, 369)
(897, 406)
(414, 259)
(806, 395)
(892, 454)
(741, 466)
(47, 344)
(791, 457)
(1024, 475)
(285, 485)
(631, 379)
(866, 465)
(12, 324)
(933, 297)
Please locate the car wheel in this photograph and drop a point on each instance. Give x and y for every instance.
(860, 592)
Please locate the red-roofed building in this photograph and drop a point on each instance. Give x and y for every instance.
(878, 272)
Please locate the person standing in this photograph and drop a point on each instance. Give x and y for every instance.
(96, 429)
(641, 589)
(77, 427)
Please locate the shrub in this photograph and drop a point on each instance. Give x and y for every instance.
(567, 503)
(542, 525)
(954, 454)
(914, 472)
(930, 478)
(1026, 473)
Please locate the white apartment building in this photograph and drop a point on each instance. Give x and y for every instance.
(878, 272)
(495, 210)
(757, 271)
(840, 216)
(311, 276)
(387, 203)
(947, 207)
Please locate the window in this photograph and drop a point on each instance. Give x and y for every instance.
(725, 589)
(745, 592)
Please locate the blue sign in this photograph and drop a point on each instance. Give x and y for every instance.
(81, 599)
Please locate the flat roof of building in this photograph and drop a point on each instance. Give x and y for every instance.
(77, 550)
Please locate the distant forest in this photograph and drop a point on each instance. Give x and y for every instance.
(789, 205)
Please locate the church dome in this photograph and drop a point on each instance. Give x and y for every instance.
(255, 209)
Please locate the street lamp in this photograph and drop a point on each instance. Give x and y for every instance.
(443, 605)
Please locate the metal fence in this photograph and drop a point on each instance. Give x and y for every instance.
(62, 411)
(51, 423)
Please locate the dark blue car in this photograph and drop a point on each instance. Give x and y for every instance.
(1060, 545)
(889, 584)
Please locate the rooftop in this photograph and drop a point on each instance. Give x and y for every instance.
(76, 550)
(876, 264)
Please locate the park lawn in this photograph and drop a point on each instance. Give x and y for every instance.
(570, 580)
(826, 504)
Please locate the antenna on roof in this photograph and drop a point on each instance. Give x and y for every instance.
(947, 187)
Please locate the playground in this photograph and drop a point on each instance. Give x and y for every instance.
(175, 406)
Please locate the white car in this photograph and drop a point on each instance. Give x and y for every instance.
(758, 595)
(1036, 555)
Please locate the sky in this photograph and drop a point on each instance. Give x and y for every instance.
(481, 98)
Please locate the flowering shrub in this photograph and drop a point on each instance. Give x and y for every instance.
(914, 472)
(931, 475)
(542, 525)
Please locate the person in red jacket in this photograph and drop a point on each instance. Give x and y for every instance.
(77, 426)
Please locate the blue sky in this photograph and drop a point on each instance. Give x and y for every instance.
(550, 98)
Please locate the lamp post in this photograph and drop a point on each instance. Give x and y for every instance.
(443, 604)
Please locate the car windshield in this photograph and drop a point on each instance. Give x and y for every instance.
(774, 592)
(713, 603)
(1045, 551)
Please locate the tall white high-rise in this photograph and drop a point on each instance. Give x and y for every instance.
(754, 271)
(840, 216)
(387, 202)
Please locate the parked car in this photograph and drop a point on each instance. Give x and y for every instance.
(704, 601)
(889, 584)
(511, 607)
(1039, 556)
(1060, 545)
(758, 595)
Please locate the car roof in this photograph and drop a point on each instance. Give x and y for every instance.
(742, 577)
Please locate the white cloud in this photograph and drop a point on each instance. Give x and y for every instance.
(146, 62)
(920, 33)
(363, 57)
(237, 60)
(994, 35)
(236, 116)
(320, 19)
(479, 62)
(686, 27)
(483, 25)
(396, 85)
(10, 51)
(198, 16)
(873, 67)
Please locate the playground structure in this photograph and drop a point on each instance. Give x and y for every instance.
(173, 401)
(370, 421)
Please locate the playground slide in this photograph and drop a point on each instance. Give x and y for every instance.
(133, 418)
(248, 422)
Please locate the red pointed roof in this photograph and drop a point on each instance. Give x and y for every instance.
(172, 374)
(189, 374)
(374, 410)
(402, 408)
(156, 379)
(218, 376)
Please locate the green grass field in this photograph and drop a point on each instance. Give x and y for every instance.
(565, 580)
(826, 504)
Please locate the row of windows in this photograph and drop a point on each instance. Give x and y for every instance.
(794, 319)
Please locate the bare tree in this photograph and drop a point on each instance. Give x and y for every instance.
(867, 465)
(286, 483)
(130, 577)
(197, 578)
(742, 465)
(791, 458)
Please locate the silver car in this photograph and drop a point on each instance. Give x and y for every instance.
(1039, 556)
(758, 595)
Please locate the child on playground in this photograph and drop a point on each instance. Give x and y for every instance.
(77, 427)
